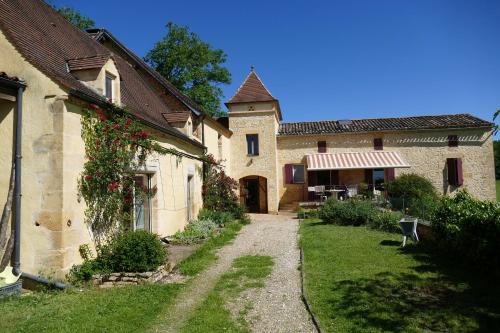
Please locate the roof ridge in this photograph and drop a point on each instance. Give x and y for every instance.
(245, 83)
(384, 118)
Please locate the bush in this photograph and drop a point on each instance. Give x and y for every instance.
(351, 212)
(195, 232)
(412, 193)
(468, 228)
(387, 221)
(221, 218)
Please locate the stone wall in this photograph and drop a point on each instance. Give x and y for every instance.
(426, 152)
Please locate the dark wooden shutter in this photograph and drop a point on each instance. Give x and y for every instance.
(249, 144)
(378, 144)
(389, 174)
(452, 141)
(288, 173)
(321, 146)
(455, 171)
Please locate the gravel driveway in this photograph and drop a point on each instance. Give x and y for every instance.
(278, 306)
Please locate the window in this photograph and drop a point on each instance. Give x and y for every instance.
(379, 179)
(294, 173)
(378, 144)
(142, 203)
(455, 174)
(321, 146)
(252, 144)
(452, 141)
(110, 79)
(219, 145)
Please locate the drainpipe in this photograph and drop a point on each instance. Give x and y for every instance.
(17, 188)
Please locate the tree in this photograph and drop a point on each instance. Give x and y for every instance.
(191, 65)
(76, 18)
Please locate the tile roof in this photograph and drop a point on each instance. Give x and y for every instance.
(252, 90)
(53, 45)
(176, 117)
(87, 62)
(383, 124)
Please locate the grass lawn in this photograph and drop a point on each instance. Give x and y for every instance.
(498, 190)
(205, 255)
(360, 280)
(212, 315)
(127, 309)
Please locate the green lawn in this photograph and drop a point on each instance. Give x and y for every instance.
(127, 309)
(360, 280)
(498, 190)
(212, 315)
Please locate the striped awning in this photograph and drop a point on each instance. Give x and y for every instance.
(355, 160)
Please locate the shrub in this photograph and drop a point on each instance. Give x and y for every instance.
(221, 218)
(412, 193)
(386, 221)
(468, 228)
(195, 232)
(351, 212)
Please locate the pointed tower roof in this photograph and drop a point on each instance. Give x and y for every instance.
(253, 90)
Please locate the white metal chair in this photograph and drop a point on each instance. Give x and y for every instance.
(352, 190)
(319, 191)
(408, 226)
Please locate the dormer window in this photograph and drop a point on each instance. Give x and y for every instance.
(108, 91)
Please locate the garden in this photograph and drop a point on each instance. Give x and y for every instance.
(124, 265)
(359, 278)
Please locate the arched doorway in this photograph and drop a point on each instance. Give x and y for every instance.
(253, 193)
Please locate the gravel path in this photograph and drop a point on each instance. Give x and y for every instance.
(278, 306)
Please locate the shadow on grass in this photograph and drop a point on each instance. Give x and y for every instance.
(388, 242)
(453, 301)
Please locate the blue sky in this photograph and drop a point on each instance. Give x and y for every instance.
(337, 59)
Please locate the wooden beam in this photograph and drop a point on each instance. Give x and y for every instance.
(7, 97)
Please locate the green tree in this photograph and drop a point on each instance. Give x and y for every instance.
(76, 18)
(191, 65)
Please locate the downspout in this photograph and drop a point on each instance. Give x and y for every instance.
(17, 187)
(16, 269)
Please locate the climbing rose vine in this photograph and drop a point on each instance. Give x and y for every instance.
(116, 146)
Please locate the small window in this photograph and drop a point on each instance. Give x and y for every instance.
(252, 144)
(110, 79)
(298, 174)
(321, 146)
(378, 144)
(452, 140)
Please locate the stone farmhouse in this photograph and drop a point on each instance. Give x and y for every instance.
(50, 71)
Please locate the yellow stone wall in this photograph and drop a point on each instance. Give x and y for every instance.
(218, 143)
(52, 218)
(425, 151)
(263, 122)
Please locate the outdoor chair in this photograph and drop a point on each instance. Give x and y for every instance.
(352, 190)
(319, 191)
(408, 227)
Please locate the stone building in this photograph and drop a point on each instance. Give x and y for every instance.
(50, 71)
(280, 164)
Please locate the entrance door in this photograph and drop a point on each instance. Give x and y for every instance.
(252, 195)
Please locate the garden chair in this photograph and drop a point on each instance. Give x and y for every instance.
(408, 227)
(319, 191)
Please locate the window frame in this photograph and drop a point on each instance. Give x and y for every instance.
(378, 144)
(303, 174)
(109, 91)
(322, 146)
(252, 144)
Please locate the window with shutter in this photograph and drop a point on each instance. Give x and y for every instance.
(252, 144)
(288, 173)
(378, 144)
(321, 146)
(452, 140)
(455, 172)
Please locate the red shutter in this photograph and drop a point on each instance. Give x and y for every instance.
(288, 173)
(378, 144)
(389, 174)
(321, 146)
(460, 174)
(452, 141)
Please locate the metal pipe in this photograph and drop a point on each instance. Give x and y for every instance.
(42, 280)
(18, 155)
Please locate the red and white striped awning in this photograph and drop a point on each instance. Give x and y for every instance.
(366, 160)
